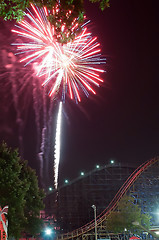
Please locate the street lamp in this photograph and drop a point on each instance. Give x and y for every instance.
(95, 220)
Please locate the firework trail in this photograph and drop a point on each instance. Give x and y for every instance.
(57, 144)
(71, 68)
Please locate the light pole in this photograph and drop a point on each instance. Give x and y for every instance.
(95, 219)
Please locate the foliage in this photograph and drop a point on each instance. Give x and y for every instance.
(125, 214)
(13, 9)
(19, 190)
(70, 13)
(70, 16)
(103, 3)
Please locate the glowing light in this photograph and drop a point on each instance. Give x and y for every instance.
(48, 231)
(82, 173)
(71, 68)
(57, 144)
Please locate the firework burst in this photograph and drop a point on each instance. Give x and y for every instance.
(71, 68)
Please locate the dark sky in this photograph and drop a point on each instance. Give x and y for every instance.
(122, 121)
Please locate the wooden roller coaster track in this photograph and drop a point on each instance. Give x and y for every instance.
(112, 205)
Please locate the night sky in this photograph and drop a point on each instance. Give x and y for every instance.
(121, 122)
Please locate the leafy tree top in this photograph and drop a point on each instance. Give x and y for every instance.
(19, 190)
(125, 214)
(67, 16)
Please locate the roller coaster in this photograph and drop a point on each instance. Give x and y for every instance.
(85, 231)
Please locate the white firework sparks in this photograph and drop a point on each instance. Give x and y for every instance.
(57, 144)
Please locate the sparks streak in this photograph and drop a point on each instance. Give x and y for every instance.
(57, 144)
